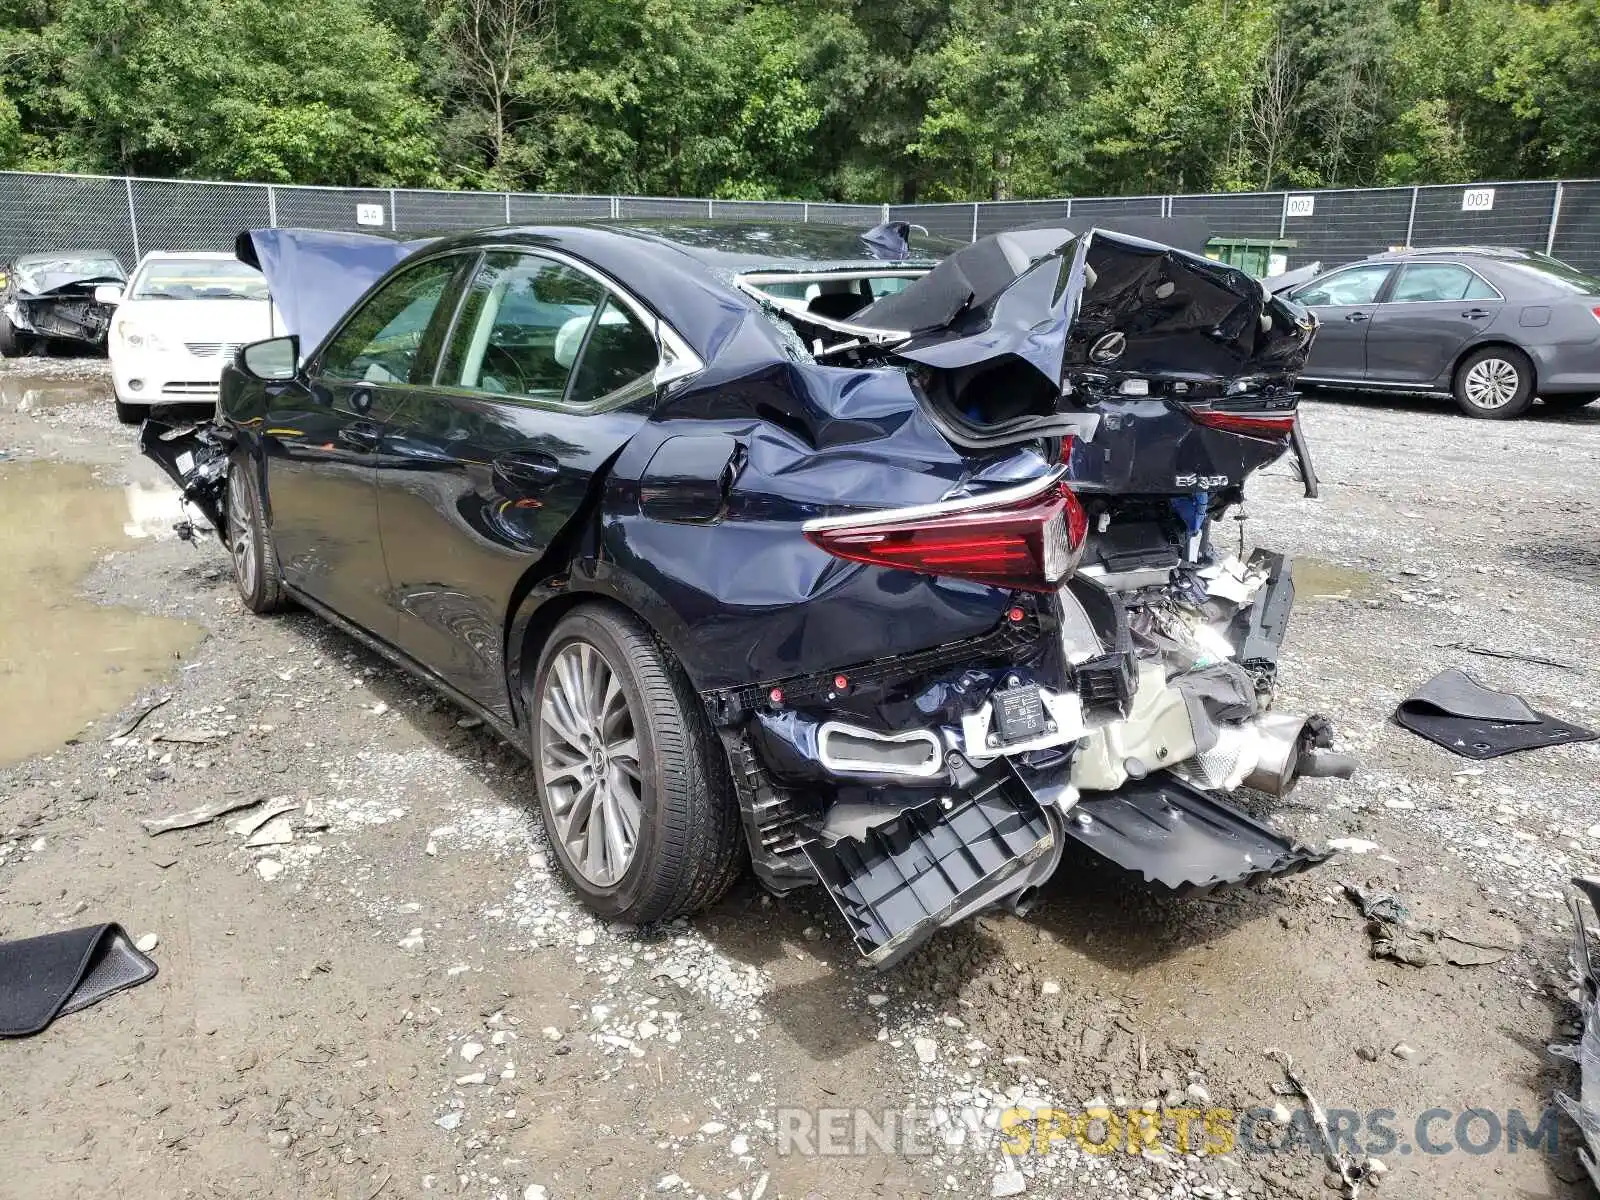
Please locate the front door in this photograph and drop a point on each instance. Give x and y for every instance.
(1344, 302)
(1430, 313)
(321, 433)
(547, 374)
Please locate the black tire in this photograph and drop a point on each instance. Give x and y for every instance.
(1567, 404)
(688, 842)
(249, 541)
(131, 414)
(14, 343)
(1494, 383)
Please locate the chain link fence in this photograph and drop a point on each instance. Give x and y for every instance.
(43, 212)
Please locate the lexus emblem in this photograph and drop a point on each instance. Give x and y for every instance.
(1108, 349)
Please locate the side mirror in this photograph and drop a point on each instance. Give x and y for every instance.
(275, 358)
(108, 293)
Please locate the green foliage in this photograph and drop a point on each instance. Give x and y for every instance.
(808, 99)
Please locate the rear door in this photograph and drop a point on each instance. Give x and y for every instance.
(1430, 312)
(321, 433)
(1344, 302)
(546, 374)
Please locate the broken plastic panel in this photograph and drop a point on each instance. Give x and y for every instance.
(932, 865)
(1585, 1110)
(1177, 836)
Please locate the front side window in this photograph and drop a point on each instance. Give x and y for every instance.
(383, 341)
(1439, 281)
(199, 279)
(1358, 285)
(538, 329)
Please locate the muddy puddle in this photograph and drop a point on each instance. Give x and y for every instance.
(1316, 579)
(65, 660)
(30, 393)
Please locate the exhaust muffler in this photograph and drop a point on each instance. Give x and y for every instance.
(1291, 748)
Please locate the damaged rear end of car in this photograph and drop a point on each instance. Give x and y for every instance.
(1108, 398)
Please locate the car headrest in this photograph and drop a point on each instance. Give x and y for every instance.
(569, 338)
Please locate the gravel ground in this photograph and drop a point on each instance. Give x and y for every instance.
(395, 995)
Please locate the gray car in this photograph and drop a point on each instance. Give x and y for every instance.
(1493, 327)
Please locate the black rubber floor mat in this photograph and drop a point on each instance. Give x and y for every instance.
(1457, 712)
(45, 977)
(1176, 835)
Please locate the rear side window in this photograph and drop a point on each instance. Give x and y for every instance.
(1421, 282)
(383, 341)
(538, 329)
(1552, 272)
(1358, 285)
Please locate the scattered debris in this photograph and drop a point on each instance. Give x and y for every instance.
(191, 737)
(269, 869)
(133, 722)
(471, 1051)
(276, 832)
(1352, 845)
(196, 816)
(1351, 1173)
(1457, 712)
(450, 1120)
(1511, 655)
(1396, 936)
(276, 807)
(927, 1049)
(1586, 1050)
(147, 943)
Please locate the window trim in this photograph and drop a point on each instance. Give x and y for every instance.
(1443, 262)
(1360, 266)
(675, 359)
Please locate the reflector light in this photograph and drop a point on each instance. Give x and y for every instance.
(1030, 541)
(1263, 425)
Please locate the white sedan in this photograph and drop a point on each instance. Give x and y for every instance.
(179, 320)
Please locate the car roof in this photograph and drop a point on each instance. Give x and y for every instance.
(1502, 252)
(24, 260)
(731, 247)
(217, 254)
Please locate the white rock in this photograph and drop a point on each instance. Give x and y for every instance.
(411, 941)
(500, 1037)
(1354, 845)
(1049, 988)
(927, 1051)
(667, 1182)
(739, 1146)
(713, 1127)
(269, 869)
(1281, 1114)
(1198, 1093)
(1009, 1182)
(450, 1120)
(586, 937)
(276, 832)
(760, 1188)
(648, 1029)
(147, 943)
(534, 1192)
(471, 1051)
(1401, 1050)
(1376, 1166)
(467, 1080)
(877, 1000)
(551, 1033)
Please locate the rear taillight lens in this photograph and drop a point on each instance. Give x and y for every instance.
(1030, 539)
(1261, 425)
(1595, 313)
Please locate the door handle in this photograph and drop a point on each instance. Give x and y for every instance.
(526, 470)
(1475, 314)
(360, 435)
(1358, 316)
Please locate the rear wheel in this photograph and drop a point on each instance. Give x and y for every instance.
(1494, 383)
(14, 343)
(634, 792)
(1568, 403)
(255, 562)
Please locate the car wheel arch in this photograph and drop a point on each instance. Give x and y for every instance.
(545, 600)
(1488, 343)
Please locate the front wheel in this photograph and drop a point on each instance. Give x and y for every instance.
(634, 792)
(14, 343)
(1494, 383)
(255, 562)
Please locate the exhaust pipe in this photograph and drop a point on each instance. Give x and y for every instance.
(1290, 748)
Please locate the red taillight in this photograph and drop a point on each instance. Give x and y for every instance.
(1595, 313)
(1030, 541)
(1262, 425)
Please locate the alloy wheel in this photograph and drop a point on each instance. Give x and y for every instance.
(241, 535)
(1492, 383)
(589, 759)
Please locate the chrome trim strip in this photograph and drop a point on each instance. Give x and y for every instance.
(942, 508)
